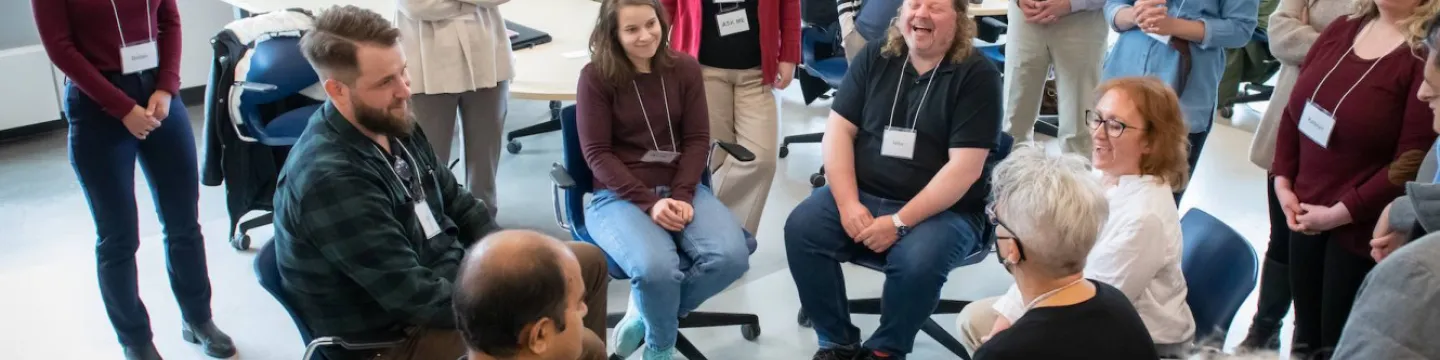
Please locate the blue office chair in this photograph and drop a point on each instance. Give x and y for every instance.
(871, 306)
(267, 270)
(573, 180)
(1220, 270)
(818, 60)
(259, 99)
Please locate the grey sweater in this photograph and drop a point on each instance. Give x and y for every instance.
(1418, 212)
(1395, 317)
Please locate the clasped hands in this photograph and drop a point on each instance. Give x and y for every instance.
(1044, 12)
(142, 120)
(671, 214)
(876, 233)
(1306, 218)
(1152, 16)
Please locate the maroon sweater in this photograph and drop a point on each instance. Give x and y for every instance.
(1381, 132)
(83, 40)
(614, 136)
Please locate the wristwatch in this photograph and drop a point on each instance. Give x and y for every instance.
(900, 228)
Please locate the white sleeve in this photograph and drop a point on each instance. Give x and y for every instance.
(1011, 305)
(1129, 253)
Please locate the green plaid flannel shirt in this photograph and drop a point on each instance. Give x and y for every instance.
(353, 257)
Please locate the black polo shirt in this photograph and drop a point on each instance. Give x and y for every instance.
(962, 110)
(738, 51)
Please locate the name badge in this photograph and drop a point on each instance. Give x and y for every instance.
(898, 143)
(1317, 124)
(729, 1)
(427, 219)
(660, 157)
(139, 57)
(733, 22)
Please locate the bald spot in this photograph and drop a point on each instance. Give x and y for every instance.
(509, 255)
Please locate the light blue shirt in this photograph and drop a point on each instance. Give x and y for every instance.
(1228, 24)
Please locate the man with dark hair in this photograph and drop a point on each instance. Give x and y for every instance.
(521, 296)
(369, 227)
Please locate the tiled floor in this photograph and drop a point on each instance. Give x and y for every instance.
(50, 306)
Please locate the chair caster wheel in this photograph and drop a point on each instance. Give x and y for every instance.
(750, 331)
(513, 147)
(803, 320)
(616, 357)
(1227, 112)
(817, 180)
(784, 151)
(240, 242)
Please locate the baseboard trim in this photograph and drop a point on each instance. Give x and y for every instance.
(192, 96)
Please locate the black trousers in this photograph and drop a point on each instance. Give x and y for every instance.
(1197, 143)
(1279, 248)
(1324, 278)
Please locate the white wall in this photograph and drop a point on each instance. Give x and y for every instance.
(200, 20)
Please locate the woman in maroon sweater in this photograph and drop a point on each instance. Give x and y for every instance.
(645, 132)
(1335, 173)
(122, 63)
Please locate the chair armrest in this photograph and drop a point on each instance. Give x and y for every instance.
(315, 345)
(737, 151)
(561, 177)
(255, 86)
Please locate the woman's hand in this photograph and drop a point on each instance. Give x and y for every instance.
(786, 73)
(684, 210)
(139, 122)
(159, 108)
(1316, 218)
(1289, 204)
(664, 213)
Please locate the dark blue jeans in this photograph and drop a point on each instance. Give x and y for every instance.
(915, 268)
(103, 154)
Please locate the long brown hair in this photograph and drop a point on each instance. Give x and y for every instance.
(960, 47)
(1165, 129)
(608, 54)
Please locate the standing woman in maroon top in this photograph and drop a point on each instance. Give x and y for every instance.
(1352, 133)
(747, 50)
(645, 133)
(122, 62)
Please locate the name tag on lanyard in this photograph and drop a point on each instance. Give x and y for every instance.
(733, 22)
(1317, 124)
(898, 143)
(427, 219)
(139, 57)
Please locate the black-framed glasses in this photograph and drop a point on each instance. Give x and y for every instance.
(995, 221)
(1113, 127)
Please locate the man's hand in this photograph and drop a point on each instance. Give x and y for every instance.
(880, 235)
(665, 215)
(786, 73)
(1318, 218)
(1382, 246)
(159, 108)
(855, 217)
(139, 123)
(1045, 12)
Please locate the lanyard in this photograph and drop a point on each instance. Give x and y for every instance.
(668, 124)
(915, 122)
(1049, 294)
(150, 29)
(1337, 65)
(415, 167)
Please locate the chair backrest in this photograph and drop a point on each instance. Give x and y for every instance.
(828, 68)
(277, 62)
(1220, 271)
(267, 270)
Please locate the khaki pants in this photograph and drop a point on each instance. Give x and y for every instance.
(975, 322)
(743, 110)
(1075, 45)
(434, 344)
(481, 121)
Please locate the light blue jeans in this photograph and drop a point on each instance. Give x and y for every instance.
(671, 273)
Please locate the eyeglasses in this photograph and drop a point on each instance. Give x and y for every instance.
(995, 221)
(1113, 127)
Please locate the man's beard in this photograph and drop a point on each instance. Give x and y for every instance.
(381, 121)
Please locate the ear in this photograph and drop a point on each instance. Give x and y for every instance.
(336, 90)
(538, 335)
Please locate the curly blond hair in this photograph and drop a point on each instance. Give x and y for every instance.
(1414, 26)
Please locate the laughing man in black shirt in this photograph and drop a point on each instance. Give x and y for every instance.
(905, 153)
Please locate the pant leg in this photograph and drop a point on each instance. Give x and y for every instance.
(1307, 280)
(437, 114)
(720, 100)
(648, 254)
(482, 122)
(715, 245)
(815, 245)
(1197, 143)
(1027, 64)
(429, 344)
(975, 322)
(744, 186)
(1344, 272)
(595, 271)
(915, 269)
(1080, 39)
(1274, 299)
(103, 152)
(1235, 64)
(168, 158)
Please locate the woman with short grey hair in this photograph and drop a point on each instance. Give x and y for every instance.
(1048, 212)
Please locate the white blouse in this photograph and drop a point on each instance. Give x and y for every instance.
(1139, 253)
(454, 46)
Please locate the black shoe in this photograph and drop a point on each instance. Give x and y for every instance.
(209, 337)
(840, 353)
(1273, 303)
(142, 352)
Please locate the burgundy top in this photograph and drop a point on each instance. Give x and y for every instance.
(1381, 131)
(82, 38)
(614, 135)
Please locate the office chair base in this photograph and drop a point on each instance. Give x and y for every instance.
(930, 327)
(239, 239)
(513, 145)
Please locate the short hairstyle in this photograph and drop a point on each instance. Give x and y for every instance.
(332, 45)
(1165, 128)
(493, 309)
(1053, 205)
(608, 55)
(960, 48)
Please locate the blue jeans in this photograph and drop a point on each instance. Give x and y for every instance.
(915, 268)
(671, 273)
(103, 153)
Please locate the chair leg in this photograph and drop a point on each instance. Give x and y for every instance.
(950, 306)
(698, 319)
(944, 338)
(687, 349)
(865, 306)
